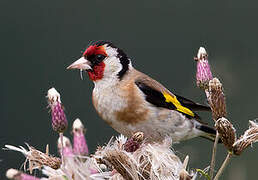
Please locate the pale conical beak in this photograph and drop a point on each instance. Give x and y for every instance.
(82, 64)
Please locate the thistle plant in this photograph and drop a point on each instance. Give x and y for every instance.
(132, 158)
(203, 73)
(80, 146)
(248, 138)
(203, 78)
(225, 131)
(59, 121)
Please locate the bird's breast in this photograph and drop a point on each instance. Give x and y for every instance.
(122, 108)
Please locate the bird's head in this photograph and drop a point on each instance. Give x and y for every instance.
(103, 60)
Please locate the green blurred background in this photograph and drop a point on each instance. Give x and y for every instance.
(39, 39)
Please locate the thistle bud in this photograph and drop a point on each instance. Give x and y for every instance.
(250, 136)
(59, 121)
(18, 175)
(227, 132)
(216, 99)
(203, 73)
(80, 146)
(67, 146)
(134, 142)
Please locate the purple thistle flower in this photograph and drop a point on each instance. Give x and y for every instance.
(59, 121)
(18, 175)
(80, 146)
(67, 147)
(133, 143)
(203, 73)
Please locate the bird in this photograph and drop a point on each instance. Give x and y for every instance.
(131, 101)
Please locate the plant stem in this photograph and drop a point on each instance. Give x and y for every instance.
(213, 158)
(62, 147)
(224, 165)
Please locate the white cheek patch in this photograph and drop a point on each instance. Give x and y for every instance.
(112, 63)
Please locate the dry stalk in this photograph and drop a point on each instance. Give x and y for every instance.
(213, 157)
(223, 166)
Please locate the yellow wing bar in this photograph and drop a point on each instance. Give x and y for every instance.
(179, 107)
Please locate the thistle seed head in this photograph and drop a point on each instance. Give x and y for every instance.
(138, 137)
(248, 138)
(35, 158)
(217, 99)
(227, 132)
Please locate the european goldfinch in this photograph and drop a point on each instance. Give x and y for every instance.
(130, 101)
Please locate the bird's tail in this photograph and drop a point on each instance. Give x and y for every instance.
(208, 132)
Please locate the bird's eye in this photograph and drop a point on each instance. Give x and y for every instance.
(100, 57)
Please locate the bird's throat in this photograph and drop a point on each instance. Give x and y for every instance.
(97, 72)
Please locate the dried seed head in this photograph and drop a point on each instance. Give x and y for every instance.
(203, 73)
(80, 146)
(150, 161)
(120, 161)
(59, 121)
(133, 143)
(67, 146)
(18, 175)
(138, 137)
(184, 175)
(35, 158)
(227, 132)
(250, 136)
(217, 99)
(43, 159)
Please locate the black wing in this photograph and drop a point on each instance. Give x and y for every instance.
(178, 103)
(154, 96)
